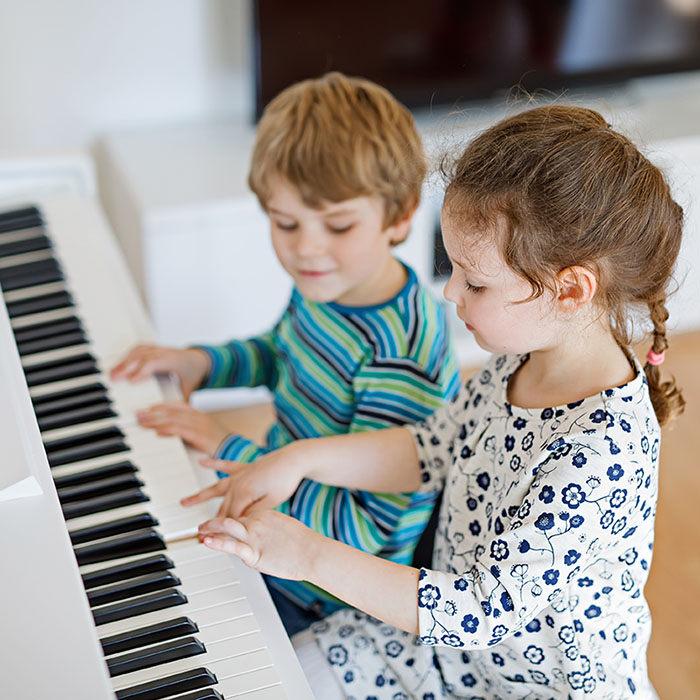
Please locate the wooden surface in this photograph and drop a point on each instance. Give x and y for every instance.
(673, 589)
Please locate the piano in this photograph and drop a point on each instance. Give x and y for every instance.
(104, 595)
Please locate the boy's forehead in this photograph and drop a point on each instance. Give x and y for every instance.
(284, 194)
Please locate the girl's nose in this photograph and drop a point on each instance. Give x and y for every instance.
(451, 289)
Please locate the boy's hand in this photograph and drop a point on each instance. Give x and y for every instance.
(266, 540)
(190, 365)
(197, 429)
(266, 483)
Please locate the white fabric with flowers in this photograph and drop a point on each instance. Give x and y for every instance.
(540, 559)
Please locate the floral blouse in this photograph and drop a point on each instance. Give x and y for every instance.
(540, 560)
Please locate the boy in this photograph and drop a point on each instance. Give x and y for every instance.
(338, 167)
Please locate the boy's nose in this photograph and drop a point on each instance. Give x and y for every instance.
(309, 243)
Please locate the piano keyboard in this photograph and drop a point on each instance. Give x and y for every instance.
(173, 618)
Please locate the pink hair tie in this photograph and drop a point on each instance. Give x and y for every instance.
(656, 358)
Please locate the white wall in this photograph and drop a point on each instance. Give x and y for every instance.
(72, 70)
(159, 77)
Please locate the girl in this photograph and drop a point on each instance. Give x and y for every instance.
(556, 226)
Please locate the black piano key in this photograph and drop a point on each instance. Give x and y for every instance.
(62, 340)
(76, 416)
(26, 245)
(132, 587)
(100, 504)
(126, 545)
(95, 474)
(169, 686)
(65, 368)
(203, 694)
(69, 398)
(30, 275)
(10, 216)
(47, 329)
(174, 650)
(144, 636)
(130, 569)
(112, 527)
(85, 446)
(34, 305)
(93, 489)
(124, 609)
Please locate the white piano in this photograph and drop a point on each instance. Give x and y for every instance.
(110, 602)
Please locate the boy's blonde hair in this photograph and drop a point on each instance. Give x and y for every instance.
(335, 138)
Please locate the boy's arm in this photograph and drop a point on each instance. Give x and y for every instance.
(249, 362)
(387, 394)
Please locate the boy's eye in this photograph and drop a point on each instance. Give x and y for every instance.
(473, 288)
(340, 229)
(286, 226)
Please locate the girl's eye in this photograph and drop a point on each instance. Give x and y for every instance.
(286, 226)
(474, 288)
(340, 229)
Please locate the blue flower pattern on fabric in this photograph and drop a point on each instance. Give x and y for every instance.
(540, 560)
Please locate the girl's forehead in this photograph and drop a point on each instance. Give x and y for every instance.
(472, 246)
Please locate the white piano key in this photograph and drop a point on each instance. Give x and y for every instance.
(38, 358)
(22, 258)
(206, 607)
(226, 659)
(181, 554)
(42, 317)
(38, 290)
(231, 689)
(21, 235)
(64, 385)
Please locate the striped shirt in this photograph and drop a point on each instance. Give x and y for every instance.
(336, 369)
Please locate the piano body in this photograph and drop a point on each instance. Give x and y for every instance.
(110, 601)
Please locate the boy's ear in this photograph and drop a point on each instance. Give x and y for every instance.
(399, 230)
(576, 286)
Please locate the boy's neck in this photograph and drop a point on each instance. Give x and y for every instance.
(578, 367)
(386, 282)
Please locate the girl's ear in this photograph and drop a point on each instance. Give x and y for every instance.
(577, 286)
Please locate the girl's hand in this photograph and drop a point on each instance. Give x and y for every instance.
(190, 365)
(267, 541)
(197, 429)
(266, 483)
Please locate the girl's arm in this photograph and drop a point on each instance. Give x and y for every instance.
(276, 544)
(381, 460)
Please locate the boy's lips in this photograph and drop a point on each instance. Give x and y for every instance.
(314, 273)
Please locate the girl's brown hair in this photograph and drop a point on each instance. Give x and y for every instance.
(574, 192)
(336, 138)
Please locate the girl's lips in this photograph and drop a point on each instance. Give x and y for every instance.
(469, 328)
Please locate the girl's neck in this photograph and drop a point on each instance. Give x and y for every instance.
(579, 366)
